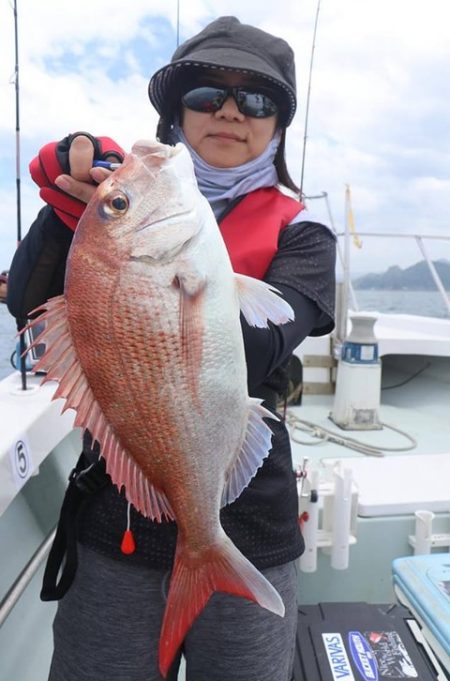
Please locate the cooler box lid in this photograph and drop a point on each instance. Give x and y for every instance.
(423, 582)
(397, 485)
(360, 642)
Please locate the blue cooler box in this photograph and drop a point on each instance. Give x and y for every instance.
(422, 583)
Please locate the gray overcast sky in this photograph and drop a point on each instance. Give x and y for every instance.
(379, 115)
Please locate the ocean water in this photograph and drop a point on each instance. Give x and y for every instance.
(427, 303)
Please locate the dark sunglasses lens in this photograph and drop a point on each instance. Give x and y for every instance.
(210, 99)
(255, 104)
(204, 99)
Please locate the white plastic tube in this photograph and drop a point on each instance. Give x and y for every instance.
(424, 531)
(341, 519)
(310, 528)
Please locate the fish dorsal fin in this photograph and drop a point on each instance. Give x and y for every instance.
(256, 446)
(62, 365)
(260, 303)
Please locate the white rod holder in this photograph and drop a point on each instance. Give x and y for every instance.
(424, 532)
(308, 561)
(341, 519)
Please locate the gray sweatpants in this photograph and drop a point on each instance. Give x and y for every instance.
(107, 628)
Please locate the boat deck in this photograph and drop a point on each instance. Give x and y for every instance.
(418, 406)
(415, 399)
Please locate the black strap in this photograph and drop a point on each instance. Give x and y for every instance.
(268, 395)
(83, 483)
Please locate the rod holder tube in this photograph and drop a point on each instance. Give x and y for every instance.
(341, 519)
(424, 532)
(310, 529)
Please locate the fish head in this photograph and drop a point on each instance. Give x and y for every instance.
(149, 208)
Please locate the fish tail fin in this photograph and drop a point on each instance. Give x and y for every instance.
(222, 567)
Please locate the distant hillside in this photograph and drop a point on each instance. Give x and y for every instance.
(415, 278)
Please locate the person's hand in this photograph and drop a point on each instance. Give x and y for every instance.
(63, 170)
(83, 179)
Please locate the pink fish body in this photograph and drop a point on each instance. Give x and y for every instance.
(147, 347)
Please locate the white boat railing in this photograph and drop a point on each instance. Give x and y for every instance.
(24, 578)
(345, 295)
(420, 240)
(348, 293)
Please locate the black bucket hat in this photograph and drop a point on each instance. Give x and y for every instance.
(227, 44)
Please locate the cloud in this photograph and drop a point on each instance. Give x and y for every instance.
(379, 106)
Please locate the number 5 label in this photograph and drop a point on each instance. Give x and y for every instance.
(21, 462)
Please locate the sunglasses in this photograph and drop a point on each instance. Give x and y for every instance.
(209, 99)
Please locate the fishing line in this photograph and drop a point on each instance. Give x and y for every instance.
(308, 97)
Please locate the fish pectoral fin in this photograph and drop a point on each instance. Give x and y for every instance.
(61, 364)
(260, 303)
(191, 325)
(255, 448)
(195, 577)
(190, 281)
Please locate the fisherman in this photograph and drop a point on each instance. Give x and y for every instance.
(229, 95)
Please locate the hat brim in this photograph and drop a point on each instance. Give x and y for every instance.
(162, 82)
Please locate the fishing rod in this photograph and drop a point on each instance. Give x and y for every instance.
(20, 322)
(16, 86)
(308, 97)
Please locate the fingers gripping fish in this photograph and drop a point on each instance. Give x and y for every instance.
(147, 348)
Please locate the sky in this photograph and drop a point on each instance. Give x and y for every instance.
(379, 115)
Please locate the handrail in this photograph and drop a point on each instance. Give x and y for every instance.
(346, 291)
(434, 273)
(402, 235)
(419, 238)
(20, 584)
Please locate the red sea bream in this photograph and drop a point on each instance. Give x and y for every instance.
(146, 345)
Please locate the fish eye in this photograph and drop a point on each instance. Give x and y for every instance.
(116, 204)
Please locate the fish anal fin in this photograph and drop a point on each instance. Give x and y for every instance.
(120, 465)
(124, 472)
(195, 578)
(260, 303)
(255, 448)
